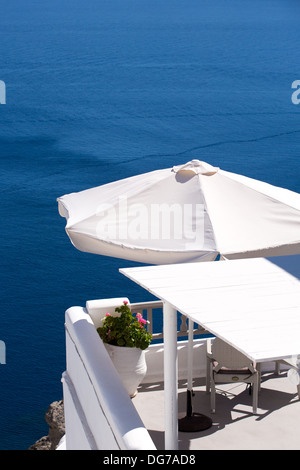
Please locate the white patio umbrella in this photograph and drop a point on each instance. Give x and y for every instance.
(188, 213)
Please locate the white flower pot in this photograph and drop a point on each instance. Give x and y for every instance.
(131, 365)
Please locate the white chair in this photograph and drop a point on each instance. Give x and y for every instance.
(293, 362)
(227, 365)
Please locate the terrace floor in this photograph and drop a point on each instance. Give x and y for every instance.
(276, 426)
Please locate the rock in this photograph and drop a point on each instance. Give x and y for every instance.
(56, 420)
(42, 444)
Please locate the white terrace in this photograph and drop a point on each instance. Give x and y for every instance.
(100, 415)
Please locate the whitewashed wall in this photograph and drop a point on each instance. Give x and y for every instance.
(98, 412)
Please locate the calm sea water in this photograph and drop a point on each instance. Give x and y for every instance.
(104, 89)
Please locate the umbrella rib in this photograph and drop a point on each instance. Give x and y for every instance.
(208, 214)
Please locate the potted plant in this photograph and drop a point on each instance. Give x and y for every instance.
(126, 338)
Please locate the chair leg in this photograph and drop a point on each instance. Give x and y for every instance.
(208, 364)
(277, 367)
(258, 368)
(212, 394)
(208, 374)
(255, 392)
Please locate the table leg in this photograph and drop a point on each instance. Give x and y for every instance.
(192, 422)
(170, 377)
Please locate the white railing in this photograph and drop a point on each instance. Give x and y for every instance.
(148, 307)
(99, 414)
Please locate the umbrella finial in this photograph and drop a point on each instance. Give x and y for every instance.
(197, 167)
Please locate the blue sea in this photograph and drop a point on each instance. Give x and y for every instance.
(99, 90)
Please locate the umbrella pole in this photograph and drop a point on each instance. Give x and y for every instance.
(192, 422)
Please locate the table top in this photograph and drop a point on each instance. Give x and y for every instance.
(252, 304)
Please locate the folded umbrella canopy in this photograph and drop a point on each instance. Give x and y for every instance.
(187, 213)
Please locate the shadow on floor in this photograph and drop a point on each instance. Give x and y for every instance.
(233, 405)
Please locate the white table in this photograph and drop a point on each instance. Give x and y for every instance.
(251, 304)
